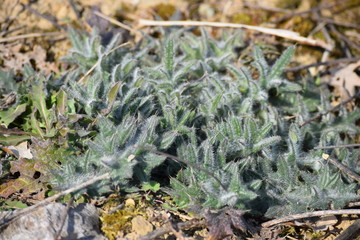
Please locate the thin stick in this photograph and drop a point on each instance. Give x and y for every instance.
(6, 221)
(340, 146)
(326, 53)
(7, 19)
(331, 62)
(341, 167)
(310, 214)
(186, 162)
(81, 80)
(113, 21)
(30, 35)
(331, 21)
(344, 38)
(330, 110)
(276, 32)
(63, 218)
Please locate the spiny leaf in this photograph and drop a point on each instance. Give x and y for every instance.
(266, 142)
(215, 103)
(75, 39)
(127, 66)
(167, 139)
(169, 56)
(280, 64)
(262, 132)
(261, 65)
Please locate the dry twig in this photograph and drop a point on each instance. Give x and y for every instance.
(344, 38)
(30, 35)
(342, 167)
(167, 228)
(74, 8)
(5, 221)
(330, 110)
(339, 146)
(331, 62)
(310, 214)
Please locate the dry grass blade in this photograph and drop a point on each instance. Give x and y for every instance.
(276, 32)
(82, 79)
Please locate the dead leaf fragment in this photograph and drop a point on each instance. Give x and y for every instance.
(325, 222)
(141, 226)
(21, 150)
(16, 56)
(222, 223)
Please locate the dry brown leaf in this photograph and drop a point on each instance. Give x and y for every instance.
(140, 227)
(31, 183)
(346, 79)
(325, 222)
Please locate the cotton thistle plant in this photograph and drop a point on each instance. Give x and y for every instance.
(193, 101)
